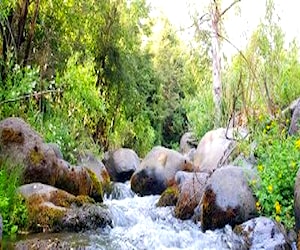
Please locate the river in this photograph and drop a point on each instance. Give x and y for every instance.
(139, 225)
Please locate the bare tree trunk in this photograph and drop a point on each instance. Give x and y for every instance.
(216, 61)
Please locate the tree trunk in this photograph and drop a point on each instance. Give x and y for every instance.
(216, 61)
(31, 32)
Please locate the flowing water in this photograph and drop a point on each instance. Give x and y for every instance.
(139, 225)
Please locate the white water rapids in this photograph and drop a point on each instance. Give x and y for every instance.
(139, 225)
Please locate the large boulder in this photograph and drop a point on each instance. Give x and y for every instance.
(24, 147)
(215, 147)
(227, 198)
(121, 164)
(295, 121)
(191, 188)
(157, 171)
(53, 210)
(263, 233)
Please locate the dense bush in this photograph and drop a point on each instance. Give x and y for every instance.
(278, 162)
(12, 206)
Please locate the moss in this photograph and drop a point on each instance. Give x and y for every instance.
(97, 189)
(36, 156)
(75, 180)
(43, 218)
(62, 199)
(169, 197)
(107, 187)
(11, 136)
(80, 200)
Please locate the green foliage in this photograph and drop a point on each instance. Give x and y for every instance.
(20, 82)
(169, 60)
(79, 105)
(12, 206)
(277, 167)
(198, 101)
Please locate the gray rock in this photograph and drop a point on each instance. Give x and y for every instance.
(227, 198)
(188, 141)
(56, 150)
(216, 147)
(121, 164)
(294, 126)
(157, 171)
(191, 188)
(263, 233)
(212, 150)
(86, 217)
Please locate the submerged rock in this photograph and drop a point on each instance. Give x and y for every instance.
(227, 198)
(37, 244)
(48, 241)
(120, 191)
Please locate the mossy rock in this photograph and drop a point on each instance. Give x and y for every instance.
(169, 197)
(36, 156)
(97, 189)
(44, 217)
(54, 210)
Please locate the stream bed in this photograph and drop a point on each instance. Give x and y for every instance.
(139, 225)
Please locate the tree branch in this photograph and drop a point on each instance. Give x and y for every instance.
(229, 7)
(37, 94)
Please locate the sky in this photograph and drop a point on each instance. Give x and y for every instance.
(239, 24)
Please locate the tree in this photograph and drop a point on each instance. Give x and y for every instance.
(215, 16)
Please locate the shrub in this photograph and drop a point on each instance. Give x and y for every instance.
(278, 162)
(12, 206)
